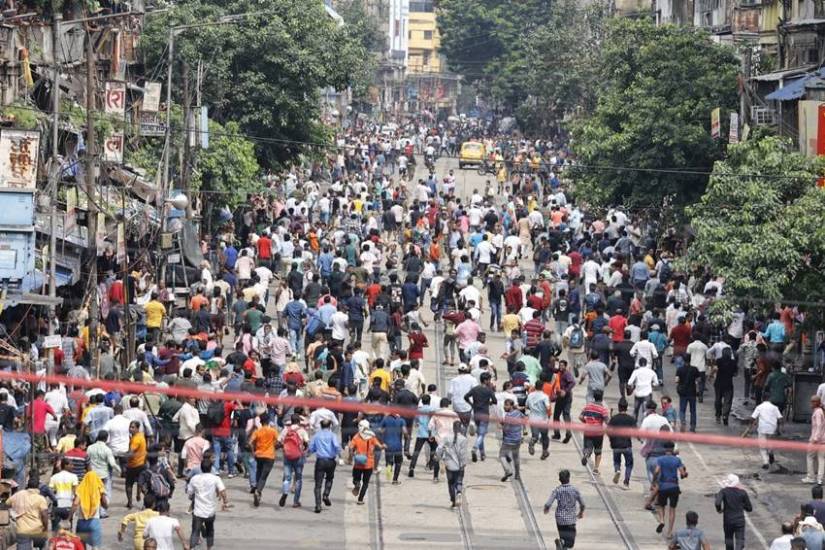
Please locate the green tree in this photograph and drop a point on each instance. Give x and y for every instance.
(758, 223)
(263, 71)
(655, 88)
(365, 29)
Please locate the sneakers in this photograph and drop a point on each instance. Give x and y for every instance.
(282, 500)
(556, 436)
(567, 438)
(807, 479)
(256, 499)
(474, 455)
(531, 447)
(410, 474)
(317, 509)
(483, 456)
(616, 477)
(458, 498)
(544, 455)
(626, 484)
(505, 477)
(355, 490)
(584, 461)
(327, 501)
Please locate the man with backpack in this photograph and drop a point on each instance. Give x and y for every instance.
(573, 344)
(293, 440)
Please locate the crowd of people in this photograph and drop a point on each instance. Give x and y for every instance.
(323, 290)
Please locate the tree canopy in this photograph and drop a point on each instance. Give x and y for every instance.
(757, 223)
(655, 89)
(263, 71)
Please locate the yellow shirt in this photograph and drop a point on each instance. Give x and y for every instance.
(154, 314)
(137, 445)
(66, 443)
(27, 506)
(384, 376)
(140, 519)
(509, 323)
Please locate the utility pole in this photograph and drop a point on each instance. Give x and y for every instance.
(187, 112)
(91, 220)
(167, 142)
(55, 176)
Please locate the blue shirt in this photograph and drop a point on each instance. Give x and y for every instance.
(657, 339)
(325, 312)
(294, 311)
(325, 263)
(775, 333)
(231, 254)
(640, 272)
(511, 432)
(325, 444)
(355, 308)
(669, 471)
(392, 428)
(422, 421)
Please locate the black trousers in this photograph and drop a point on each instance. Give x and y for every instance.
(722, 403)
(419, 444)
(324, 474)
(264, 466)
(205, 526)
(361, 479)
(394, 460)
(567, 535)
(734, 536)
(562, 409)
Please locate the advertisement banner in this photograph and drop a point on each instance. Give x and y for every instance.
(715, 124)
(18, 159)
(115, 98)
(151, 97)
(733, 136)
(820, 130)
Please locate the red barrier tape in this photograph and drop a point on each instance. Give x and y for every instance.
(374, 408)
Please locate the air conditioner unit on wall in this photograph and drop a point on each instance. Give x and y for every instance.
(763, 116)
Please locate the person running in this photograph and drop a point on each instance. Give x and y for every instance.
(511, 437)
(163, 529)
(326, 447)
(669, 468)
(538, 410)
(767, 419)
(393, 432)
(481, 397)
(293, 442)
(691, 537)
(362, 450)
(594, 415)
(597, 375)
(732, 502)
(453, 453)
(622, 445)
(139, 519)
(564, 399)
(263, 442)
(205, 489)
(567, 497)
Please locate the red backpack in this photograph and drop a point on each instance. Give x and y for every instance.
(293, 444)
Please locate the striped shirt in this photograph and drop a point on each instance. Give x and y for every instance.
(595, 414)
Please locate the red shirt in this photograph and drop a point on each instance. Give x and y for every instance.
(418, 341)
(39, 409)
(617, 323)
(535, 302)
(372, 293)
(226, 425)
(576, 261)
(680, 334)
(513, 298)
(66, 541)
(533, 329)
(116, 294)
(264, 248)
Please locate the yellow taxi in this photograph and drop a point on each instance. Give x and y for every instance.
(472, 152)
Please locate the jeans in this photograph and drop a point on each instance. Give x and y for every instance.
(394, 460)
(628, 462)
(684, 401)
(293, 469)
(455, 483)
(482, 426)
(251, 465)
(419, 444)
(722, 403)
(449, 347)
(639, 406)
(510, 451)
(25, 542)
(700, 389)
(262, 468)
(567, 535)
(734, 536)
(495, 315)
(296, 340)
(540, 434)
(205, 526)
(324, 474)
(227, 444)
(93, 531)
(361, 481)
(657, 366)
(561, 326)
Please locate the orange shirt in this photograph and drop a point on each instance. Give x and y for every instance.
(137, 446)
(362, 446)
(263, 442)
(197, 301)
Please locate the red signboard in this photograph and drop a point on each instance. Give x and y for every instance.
(820, 130)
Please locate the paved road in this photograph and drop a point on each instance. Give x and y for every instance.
(416, 514)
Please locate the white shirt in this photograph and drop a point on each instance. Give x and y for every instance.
(767, 416)
(118, 429)
(782, 543)
(188, 418)
(646, 349)
(322, 414)
(485, 251)
(205, 489)
(471, 294)
(716, 350)
(55, 398)
(654, 422)
(136, 415)
(698, 353)
(162, 530)
(459, 386)
(643, 379)
(338, 321)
